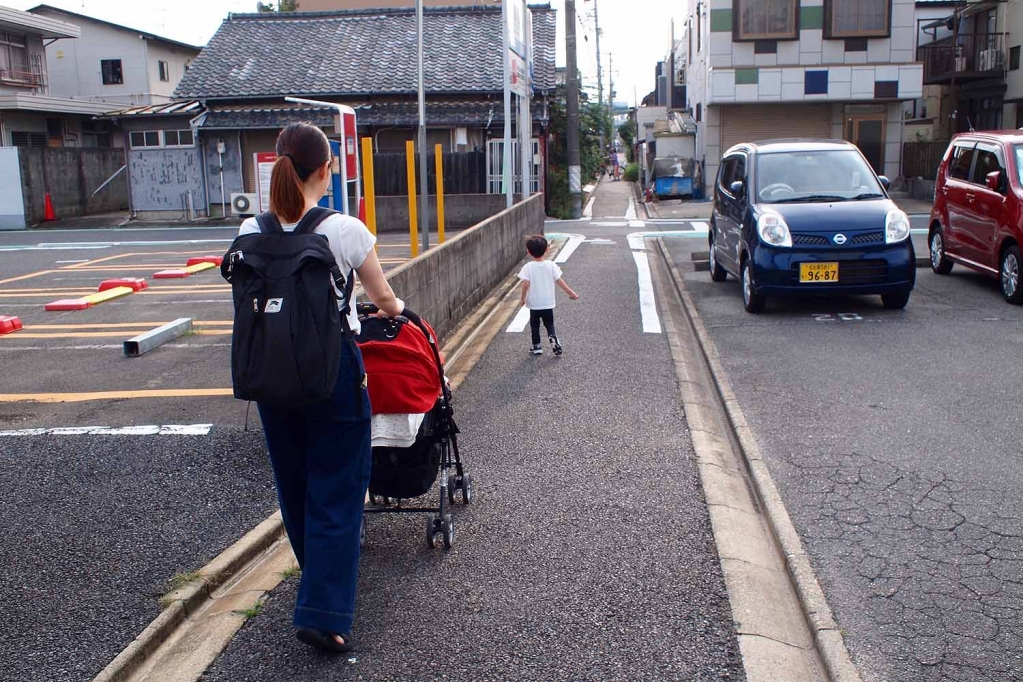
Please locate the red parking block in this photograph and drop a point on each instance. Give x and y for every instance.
(69, 304)
(216, 260)
(171, 274)
(9, 324)
(135, 283)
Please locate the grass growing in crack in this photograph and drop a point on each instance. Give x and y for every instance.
(182, 579)
(252, 611)
(290, 572)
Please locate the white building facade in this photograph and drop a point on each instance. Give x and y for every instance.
(842, 69)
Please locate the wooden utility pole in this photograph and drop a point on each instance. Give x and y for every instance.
(600, 81)
(575, 186)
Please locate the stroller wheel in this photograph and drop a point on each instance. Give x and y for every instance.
(374, 500)
(448, 528)
(467, 489)
(431, 533)
(362, 533)
(452, 488)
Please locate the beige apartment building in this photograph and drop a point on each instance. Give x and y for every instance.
(327, 5)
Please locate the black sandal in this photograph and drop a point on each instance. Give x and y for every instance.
(324, 640)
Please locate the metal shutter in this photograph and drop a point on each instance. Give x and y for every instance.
(754, 122)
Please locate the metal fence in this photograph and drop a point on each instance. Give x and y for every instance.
(464, 173)
(921, 159)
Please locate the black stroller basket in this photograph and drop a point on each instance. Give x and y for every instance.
(401, 474)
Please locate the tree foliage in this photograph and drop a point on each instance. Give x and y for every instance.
(281, 6)
(627, 131)
(591, 157)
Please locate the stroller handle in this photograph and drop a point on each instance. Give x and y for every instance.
(370, 309)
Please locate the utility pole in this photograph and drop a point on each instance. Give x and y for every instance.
(424, 186)
(600, 81)
(611, 98)
(507, 168)
(575, 186)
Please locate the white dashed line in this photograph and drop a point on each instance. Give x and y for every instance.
(149, 430)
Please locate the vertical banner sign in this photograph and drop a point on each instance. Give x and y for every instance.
(264, 169)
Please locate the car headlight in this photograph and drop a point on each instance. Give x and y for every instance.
(896, 226)
(773, 230)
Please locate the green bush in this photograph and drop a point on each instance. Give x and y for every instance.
(632, 172)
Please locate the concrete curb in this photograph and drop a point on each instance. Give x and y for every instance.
(827, 636)
(187, 600)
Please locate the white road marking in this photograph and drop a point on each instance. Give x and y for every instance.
(518, 324)
(636, 224)
(599, 240)
(573, 243)
(77, 246)
(701, 227)
(109, 346)
(630, 213)
(647, 302)
(588, 211)
(64, 262)
(611, 224)
(636, 242)
(166, 430)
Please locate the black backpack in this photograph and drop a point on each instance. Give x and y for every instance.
(288, 331)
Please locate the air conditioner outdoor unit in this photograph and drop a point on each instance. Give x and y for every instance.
(244, 204)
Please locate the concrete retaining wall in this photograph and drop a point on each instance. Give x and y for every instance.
(71, 176)
(446, 283)
(12, 203)
(460, 211)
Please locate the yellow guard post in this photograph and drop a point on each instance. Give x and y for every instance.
(438, 154)
(413, 214)
(369, 184)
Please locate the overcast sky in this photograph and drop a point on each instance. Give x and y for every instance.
(635, 33)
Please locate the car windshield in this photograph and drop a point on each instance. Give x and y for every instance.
(812, 176)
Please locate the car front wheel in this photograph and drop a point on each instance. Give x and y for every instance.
(939, 263)
(1009, 275)
(895, 301)
(751, 300)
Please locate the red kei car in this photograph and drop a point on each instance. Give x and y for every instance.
(977, 219)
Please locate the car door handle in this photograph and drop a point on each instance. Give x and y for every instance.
(970, 196)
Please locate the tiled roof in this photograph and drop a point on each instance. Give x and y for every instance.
(187, 108)
(361, 53)
(470, 113)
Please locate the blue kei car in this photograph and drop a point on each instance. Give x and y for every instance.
(796, 217)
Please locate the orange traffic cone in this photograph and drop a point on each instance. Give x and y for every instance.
(49, 214)
(362, 209)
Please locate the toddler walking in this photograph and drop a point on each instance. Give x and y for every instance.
(538, 279)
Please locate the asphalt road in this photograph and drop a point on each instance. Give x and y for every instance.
(588, 554)
(95, 526)
(894, 439)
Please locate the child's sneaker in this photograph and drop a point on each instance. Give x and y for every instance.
(555, 346)
(536, 350)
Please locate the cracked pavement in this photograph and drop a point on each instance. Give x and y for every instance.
(894, 440)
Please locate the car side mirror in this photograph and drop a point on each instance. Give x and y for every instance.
(993, 180)
(885, 182)
(737, 187)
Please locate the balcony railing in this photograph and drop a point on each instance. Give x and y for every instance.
(966, 56)
(28, 79)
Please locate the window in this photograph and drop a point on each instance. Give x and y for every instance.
(962, 160)
(22, 139)
(95, 135)
(178, 138)
(815, 176)
(112, 73)
(857, 18)
(739, 172)
(764, 19)
(726, 173)
(164, 72)
(145, 139)
(1014, 58)
(987, 162)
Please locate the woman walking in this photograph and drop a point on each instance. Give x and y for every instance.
(321, 454)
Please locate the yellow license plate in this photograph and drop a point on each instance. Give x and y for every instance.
(818, 272)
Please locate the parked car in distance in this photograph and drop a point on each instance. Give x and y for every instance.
(977, 219)
(794, 217)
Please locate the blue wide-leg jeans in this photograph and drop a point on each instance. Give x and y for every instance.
(321, 457)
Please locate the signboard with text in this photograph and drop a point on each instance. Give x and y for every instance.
(264, 169)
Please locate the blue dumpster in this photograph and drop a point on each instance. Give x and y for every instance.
(673, 186)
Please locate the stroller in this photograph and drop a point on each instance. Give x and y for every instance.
(407, 388)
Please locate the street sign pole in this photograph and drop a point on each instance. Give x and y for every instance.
(506, 149)
(525, 116)
(424, 187)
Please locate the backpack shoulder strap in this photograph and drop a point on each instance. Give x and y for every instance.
(312, 219)
(269, 223)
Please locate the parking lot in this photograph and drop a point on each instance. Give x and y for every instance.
(894, 439)
(119, 473)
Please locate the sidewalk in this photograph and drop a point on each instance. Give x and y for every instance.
(700, 210)
(588, 552)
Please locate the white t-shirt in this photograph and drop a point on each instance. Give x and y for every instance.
(350, 241)
(541, 276)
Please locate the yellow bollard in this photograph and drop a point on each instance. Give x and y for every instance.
(371, 191)
(438, 154)
(413, 214)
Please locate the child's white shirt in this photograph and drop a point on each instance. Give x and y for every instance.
(541, 276)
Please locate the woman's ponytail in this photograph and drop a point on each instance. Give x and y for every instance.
(302, 149)
(287, 201)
